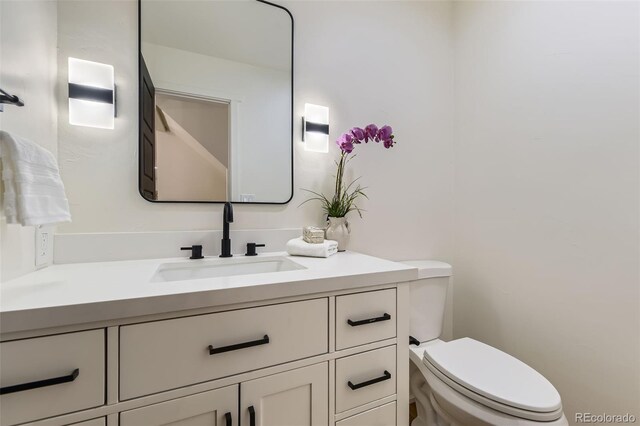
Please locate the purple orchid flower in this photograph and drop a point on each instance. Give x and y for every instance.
(388, 143)
(358, 134)
(370, 132)
(385, 133)
(345, 142)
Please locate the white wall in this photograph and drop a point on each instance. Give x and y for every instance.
(28, 69)
(386, 63)
(346, 60)
(547, 207)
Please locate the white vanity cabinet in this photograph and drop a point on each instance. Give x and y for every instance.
(336, 358)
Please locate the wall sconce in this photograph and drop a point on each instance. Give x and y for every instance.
(315, 128)
(92, 94)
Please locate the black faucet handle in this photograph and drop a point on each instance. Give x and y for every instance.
(196, 251)
(251, 249)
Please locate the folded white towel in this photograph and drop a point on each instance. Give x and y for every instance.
(33, 190)
(299, 247)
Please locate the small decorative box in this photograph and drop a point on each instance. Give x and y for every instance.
(313, 235)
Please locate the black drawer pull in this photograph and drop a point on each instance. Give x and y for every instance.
(263, 341)
(41, 383)
(386, 376)
(385, 317)
(252, 416)
(227, 418)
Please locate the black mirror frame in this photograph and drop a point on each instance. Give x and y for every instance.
(141, 160)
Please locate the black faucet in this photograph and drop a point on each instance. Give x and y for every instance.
(227, 218)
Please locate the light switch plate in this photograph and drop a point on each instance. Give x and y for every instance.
(44, 246)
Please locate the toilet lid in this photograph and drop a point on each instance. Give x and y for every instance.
(494, 374)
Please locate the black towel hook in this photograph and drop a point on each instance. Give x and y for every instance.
(6, 98)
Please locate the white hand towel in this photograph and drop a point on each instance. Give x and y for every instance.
(33, 190)
(299, 247)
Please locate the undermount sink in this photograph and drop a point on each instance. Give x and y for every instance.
(215, 268)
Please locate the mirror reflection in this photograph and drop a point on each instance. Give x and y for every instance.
(215, 101)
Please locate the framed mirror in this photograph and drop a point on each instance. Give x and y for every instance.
(216, 101)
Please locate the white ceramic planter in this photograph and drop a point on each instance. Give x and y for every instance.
(338, 230)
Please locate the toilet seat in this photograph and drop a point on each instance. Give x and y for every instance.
(493, 379)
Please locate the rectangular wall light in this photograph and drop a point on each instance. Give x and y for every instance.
(92, 94)
(315, 128)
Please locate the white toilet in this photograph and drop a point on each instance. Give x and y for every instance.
(465, 382)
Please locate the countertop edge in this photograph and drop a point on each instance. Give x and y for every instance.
(89, 313)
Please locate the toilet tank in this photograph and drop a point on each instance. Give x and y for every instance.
(428, 296)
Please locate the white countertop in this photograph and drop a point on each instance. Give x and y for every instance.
(80, 293)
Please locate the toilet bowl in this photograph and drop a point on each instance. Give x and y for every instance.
(466, 382)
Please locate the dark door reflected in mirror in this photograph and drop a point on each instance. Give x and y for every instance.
(216, 101)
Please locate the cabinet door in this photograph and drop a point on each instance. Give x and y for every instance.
(213, 408)
(293, 398)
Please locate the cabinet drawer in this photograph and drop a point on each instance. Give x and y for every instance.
(52, 375)
(365, 317)
(365, 377)
(385, 415)
(101, 421)
(162, 355)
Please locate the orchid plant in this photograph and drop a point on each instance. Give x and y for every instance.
(345, 195)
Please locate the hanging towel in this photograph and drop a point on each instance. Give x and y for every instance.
(299, 247)
(33, 190)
